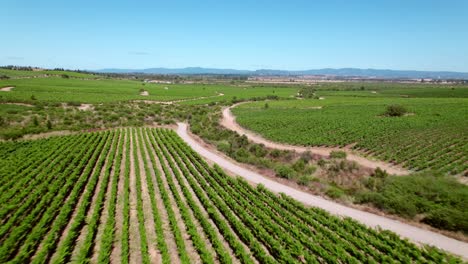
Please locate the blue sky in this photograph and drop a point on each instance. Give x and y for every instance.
(241, 34)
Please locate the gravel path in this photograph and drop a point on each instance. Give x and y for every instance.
(229, 122)
(413, 233)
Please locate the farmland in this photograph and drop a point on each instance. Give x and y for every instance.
(58, 89)
(142, 195)
(431, 136)
(134, 193)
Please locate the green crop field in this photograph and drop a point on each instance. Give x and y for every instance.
(44, 73)
(142, 195)
(57, 89)
(432, 135)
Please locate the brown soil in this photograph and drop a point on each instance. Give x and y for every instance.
(86, 107)
(153, 251)
(117, 248)
(195, 221)
(75, 211)
(84, 230)
(191, 251)
(135, 245)
(104, 213)
(168, 235)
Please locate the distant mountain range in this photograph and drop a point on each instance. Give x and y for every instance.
(343, 72)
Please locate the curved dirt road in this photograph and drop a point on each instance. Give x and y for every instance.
(413, 233)
(229, 122)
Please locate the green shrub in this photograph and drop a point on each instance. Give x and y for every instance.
(258, 150)
(275, 153)
(334, 192)
(224, 146)
(338, 154)
(447, 219)
(306, 179)
(395, 110)
(440, 198)
(299, 165)
(285, 172)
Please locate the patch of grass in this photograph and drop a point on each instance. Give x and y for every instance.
(338, 154)
(440, 200)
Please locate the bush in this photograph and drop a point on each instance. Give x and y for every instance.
(241, 155)
(258, 150)
(441, 199)
(334, 192)
(395, 110)
(275, 153)
(224, 146)
(285, 172)
(338, 154)
(447, 219)
(299, 165)
(305, 180)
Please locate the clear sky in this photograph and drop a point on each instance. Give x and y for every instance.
(240, 34)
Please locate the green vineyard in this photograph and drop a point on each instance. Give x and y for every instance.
(431, 136)
(141, 195)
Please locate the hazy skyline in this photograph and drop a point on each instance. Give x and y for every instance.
(290, 35)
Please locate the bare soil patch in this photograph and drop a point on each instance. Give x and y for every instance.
(7, 89)
(117, 247)
(144, 93)
(135, 245)
(86, 107)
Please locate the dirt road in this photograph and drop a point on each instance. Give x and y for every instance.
(229, 122)
(413, 233)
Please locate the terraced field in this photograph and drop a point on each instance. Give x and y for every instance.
(433, 135)
(143, 196)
